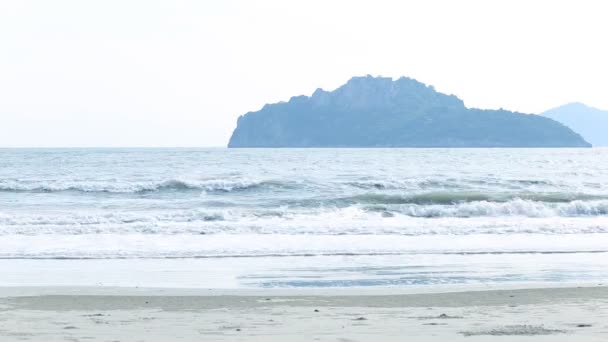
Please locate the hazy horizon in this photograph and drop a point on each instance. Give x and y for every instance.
(179, 73)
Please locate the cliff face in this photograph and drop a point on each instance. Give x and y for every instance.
(379, 112)
(591, 123)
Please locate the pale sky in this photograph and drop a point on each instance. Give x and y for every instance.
(179, 73)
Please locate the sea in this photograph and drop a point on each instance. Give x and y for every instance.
(303, 218)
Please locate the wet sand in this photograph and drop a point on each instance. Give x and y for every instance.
(120, 314)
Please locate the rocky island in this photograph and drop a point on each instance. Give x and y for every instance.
(382, 112)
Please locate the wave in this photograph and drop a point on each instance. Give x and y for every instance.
(517, 207)
(112, 186)
(226, 245)
(406, 184)
(517, 216)
(292, 254)
(447, 183)
(450, 198)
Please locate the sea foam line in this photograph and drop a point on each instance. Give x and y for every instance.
(226, 245)
(113, 186)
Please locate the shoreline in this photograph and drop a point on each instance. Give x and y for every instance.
(562, 313)
(68, 290)
(322, 297)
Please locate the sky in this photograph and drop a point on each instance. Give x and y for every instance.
(178, 73)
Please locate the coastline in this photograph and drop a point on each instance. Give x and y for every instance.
(378, 291)
(559, 313)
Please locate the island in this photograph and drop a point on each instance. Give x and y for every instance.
(591, 123)
(381, 112)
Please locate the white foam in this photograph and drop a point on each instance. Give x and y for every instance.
(224, 245)
(125, 186)
(516, 207)
(324, 221)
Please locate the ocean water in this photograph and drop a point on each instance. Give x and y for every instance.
(232, 218)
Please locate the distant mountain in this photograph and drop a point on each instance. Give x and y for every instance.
(379, 112)
(591, 123)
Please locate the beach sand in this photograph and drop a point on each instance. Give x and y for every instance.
(119, 314)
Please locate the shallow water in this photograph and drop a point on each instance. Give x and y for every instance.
(241, 216)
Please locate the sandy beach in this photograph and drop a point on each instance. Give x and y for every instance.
(119, 314)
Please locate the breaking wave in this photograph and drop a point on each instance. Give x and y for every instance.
(516, 207)
(447, 198)
(110, 186)
(404, 219)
